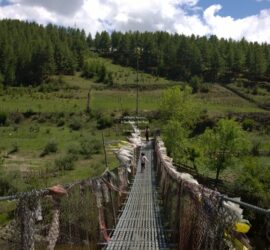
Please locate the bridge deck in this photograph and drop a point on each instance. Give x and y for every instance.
(139, 226)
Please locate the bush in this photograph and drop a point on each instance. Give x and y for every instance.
(255, 150)
(248, 124)
(85, 148)
(60, 122)
(65, 162)
(29, 113)
(3, 118)
(205, 88)
(96, 146)
(60, 115)
(109, 79)
(195, 83)
(75, 125)
(255, 91)
(6, 188)
(41, 119)
(14, 149)
(16, 117)
(73, 150)
(53, 86)
(50, 147)
(104, 122)
(89, 147)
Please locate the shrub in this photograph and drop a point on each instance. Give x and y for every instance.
(255, 91)
(50, 147)
(85, 148)
(267, 130)
(248, 124)
(96, 146)
(104, 122)
(3, 118)
(89, 147)
(205, 88)
(14, 149)
(125, 113)
(60, 122)
(60, 115)
(195, 83)
(50, 87)
(41, 119)
(75, 125)
(73, 149)
(255, 150)
(6, 188)
(65, 162)
(16, 117)
(109, 79)
(29, 113)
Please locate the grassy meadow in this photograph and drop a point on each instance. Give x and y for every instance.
(219, 100)
(40, 115)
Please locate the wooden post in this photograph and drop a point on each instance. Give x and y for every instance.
(177, 215)
(88, 101)
(181, 205)
(104, 149)
(112, 201)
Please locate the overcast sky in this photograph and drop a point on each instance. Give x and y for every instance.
(224, 18)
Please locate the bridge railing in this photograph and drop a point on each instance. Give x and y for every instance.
(197, 217)
(76, 213)
(82, 212)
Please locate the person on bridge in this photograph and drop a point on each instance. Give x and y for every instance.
(143, 161)
(147, 133)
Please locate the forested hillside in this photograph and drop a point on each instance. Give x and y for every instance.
(180, 57)
(30, 53)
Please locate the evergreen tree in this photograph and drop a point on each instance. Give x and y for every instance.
(105, 41)
(89, 40)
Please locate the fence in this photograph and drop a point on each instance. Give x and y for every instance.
(77, 213)
(197, 217)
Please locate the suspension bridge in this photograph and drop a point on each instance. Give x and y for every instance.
(163, 209)
(140, 226)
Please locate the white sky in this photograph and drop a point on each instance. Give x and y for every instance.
(181, 16)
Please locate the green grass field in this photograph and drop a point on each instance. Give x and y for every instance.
(220, 100)
(106, 100)
(127, 76)
(259, 94)
(69, 102)
(30, 144)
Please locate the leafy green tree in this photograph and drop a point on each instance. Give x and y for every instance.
(223, 145)
(195, 83)
(253, 180)
(180, 105)
(176, 139)
(180, 111)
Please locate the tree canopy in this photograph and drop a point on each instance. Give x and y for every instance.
(180, 112)
(181, 57)
(30, 53)
(223, 144)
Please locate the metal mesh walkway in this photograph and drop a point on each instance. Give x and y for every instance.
(139, 226)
